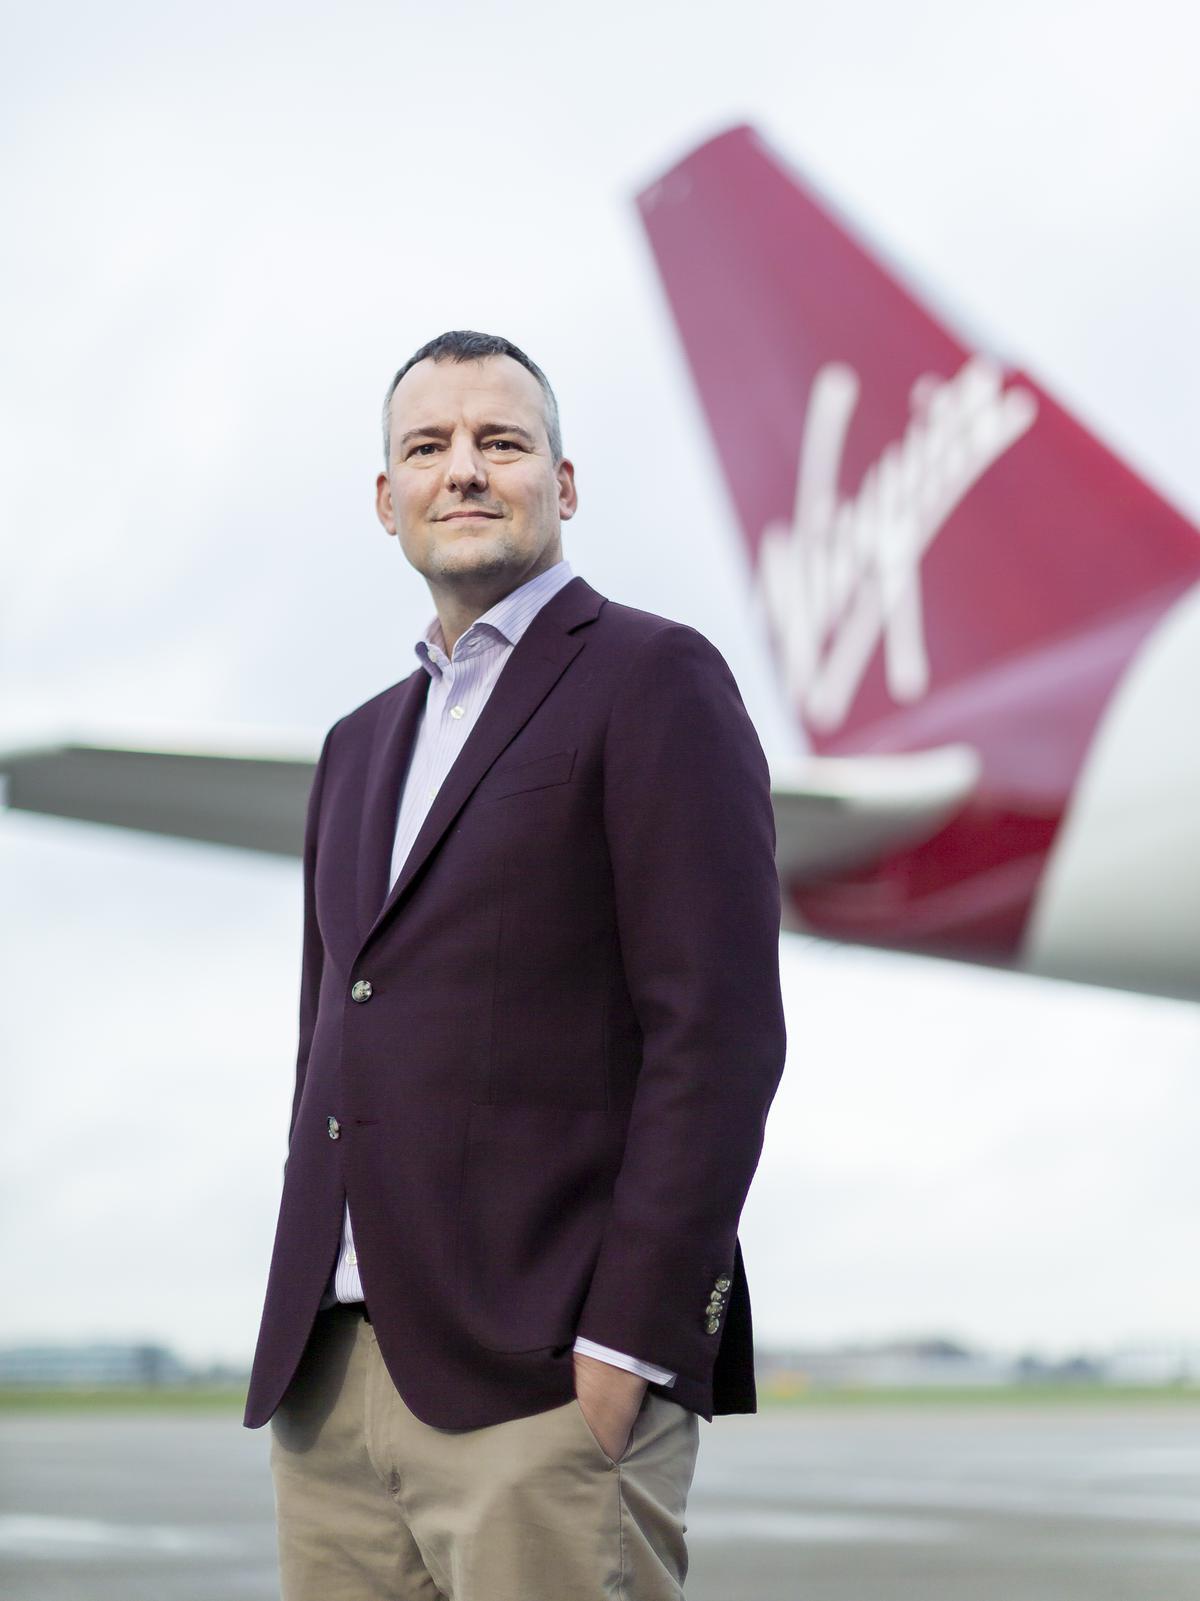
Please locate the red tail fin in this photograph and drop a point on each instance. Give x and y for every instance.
(916, 514)
(944, 555)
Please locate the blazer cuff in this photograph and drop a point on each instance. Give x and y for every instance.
(618, 1359)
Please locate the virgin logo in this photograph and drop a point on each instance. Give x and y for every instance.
(845, 573)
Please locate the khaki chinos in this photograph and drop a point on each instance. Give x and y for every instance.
(374, 1505)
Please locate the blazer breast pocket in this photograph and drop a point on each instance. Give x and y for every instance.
(538, 772)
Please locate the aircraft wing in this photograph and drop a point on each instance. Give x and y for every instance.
(837, 813)
(831, 813)
(256, 801)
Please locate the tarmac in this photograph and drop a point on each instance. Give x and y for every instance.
(1073, 1501)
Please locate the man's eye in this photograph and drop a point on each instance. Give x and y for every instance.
(502, 444)
(417, 450)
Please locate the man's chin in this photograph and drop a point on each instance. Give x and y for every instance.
(477, 558)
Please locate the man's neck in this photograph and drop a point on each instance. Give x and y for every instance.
(459, 607)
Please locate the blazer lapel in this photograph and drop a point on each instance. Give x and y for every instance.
(391, 752)
(538, 661)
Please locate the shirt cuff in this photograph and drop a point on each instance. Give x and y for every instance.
(618, 1359)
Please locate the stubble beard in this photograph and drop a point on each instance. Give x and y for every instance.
(475, 564)
(475, 559)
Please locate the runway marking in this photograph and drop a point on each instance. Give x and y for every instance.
(25, 1534)
(835, 1528)
(1092, 1499)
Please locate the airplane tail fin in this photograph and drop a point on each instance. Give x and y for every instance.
(917, 515)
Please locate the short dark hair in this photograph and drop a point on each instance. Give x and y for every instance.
(463, 344)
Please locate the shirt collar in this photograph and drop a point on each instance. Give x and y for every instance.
(503, 623)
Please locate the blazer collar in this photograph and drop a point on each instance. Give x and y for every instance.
(539, 659)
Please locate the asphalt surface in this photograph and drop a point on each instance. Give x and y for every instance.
(1073, 1502)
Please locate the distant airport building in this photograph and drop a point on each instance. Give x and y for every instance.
(1154, 1364)
(90, 1366)
(937, 1363)
(896, 1364)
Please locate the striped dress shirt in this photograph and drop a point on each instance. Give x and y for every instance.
(458, 690)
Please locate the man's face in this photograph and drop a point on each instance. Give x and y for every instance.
(472, 491)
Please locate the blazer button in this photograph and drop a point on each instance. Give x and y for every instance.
(723, 1283)
(712, 1324)
(334, 1127)
(360, 990)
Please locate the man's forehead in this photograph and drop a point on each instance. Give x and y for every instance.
(465, 385)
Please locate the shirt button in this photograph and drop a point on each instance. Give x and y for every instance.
(361, 990)
(457, 711)
(352, 1258)
(334, 1127)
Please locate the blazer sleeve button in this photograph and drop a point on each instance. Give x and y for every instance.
(334, 1128)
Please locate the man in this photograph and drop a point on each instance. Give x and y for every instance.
(540, 1027)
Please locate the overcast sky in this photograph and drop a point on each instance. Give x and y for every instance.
(228, 225)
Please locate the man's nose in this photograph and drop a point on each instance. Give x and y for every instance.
(466, 469)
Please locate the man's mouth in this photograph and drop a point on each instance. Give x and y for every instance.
(455, 516)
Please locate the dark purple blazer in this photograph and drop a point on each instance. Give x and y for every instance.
(551, 1104)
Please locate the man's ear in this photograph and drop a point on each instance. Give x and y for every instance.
(383, 503)
(568, 499)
